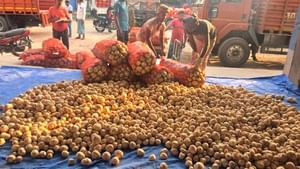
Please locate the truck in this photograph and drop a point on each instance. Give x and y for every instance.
(22, 13)
(245, 26)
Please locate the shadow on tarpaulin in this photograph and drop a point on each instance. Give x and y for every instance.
(16, 80)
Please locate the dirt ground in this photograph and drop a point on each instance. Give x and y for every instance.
(266, 66)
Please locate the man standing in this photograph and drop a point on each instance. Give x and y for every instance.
(59, 17)
(70, 10)
(202, 38)
(153, 31)
(81, 14)
(122, 20)
(177, 33)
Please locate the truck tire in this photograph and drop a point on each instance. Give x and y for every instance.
(234, 52)
(3, 24)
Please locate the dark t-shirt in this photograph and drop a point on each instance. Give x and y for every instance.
(205, 28)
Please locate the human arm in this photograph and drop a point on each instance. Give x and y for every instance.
(170, 25)
(84, 4)
(209, 45)
(116, 12)
(162, 39)
(147, 34)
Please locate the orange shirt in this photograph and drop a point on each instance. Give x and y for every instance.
(61, 13)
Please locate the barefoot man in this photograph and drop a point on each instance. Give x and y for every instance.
(202, 38)
(152, 32)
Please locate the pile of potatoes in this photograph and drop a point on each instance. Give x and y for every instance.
(222, 126)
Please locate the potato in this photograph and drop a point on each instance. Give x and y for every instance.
(140, 152)
(163, 165)
(115, 161)
(152, 157)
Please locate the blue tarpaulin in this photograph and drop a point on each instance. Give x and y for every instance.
(15, 80)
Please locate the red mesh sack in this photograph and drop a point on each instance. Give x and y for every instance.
(68, 63)
(189, 75)
(112, 51)
(30, 52)
(82, 56)
(34, 60)
(41, 60)
(121, 72)
(94, 70)
(55, 48)
(141, 58)
(158, 75)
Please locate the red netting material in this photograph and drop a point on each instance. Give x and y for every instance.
(112, 51)
(158, 75)
(94, 70)
(82, 56)
(38, 51)
(55, 48)
(41, 60)
(141, 58)
(186, 74)
(34, 60)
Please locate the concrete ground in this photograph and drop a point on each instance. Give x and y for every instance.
(268, 65)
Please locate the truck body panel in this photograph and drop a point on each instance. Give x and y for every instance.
(275, 16)
(24, 6)
(21, 13)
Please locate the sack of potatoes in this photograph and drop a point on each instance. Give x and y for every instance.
(54, 48)
(158, 74)
(111, 51)
(34, 60)
(186, 74)
(82, 56)
(121, 72)
(94, 70)
(141, 58)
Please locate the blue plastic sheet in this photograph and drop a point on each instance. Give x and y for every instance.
(15, 80)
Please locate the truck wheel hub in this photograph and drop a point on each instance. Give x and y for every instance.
(1, 27)
(235, 52)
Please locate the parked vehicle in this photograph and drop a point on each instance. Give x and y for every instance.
(15, 41)
(101, 23)
(144, 10)
(22, 13)
(244, 26)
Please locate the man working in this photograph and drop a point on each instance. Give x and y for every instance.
(177, 33)
(122, 20)
(59, 17)
(202, 38)
(152, 32)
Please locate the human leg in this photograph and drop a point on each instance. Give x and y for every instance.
(79, 28)
(55, 34)
(65, 38)
(125, 37)
(171, 48)
(70, 29)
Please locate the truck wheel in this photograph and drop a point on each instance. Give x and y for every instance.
(3, 24)
(234, 52)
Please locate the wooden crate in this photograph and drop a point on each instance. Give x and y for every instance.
(276, 16)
